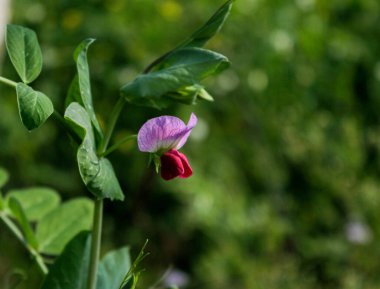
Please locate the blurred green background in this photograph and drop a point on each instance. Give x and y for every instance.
(286, 189)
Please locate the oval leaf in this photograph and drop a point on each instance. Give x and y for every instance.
(24, 52)
(34, 106)
(36, 202)
(184, 68)
(70, 270)
(97, 173)
(59, 226)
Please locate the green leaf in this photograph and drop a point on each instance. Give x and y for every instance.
(4, 176)
(34, 106)
(97, 173)
(24, 52)
(84, 85)
(113, 268)
(18, 213)
(36, 202)
(210, 28)
(201, 35)
(70, 270)
(59, 226)
(184, 68)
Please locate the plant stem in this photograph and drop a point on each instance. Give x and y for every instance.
(119, 143)
(20, 237)
(95, 244)
(98, 211)
(8, 82)
(111, 124)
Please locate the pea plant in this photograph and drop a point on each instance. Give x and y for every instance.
(64, 239)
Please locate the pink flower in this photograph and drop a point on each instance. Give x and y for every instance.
(164, 136)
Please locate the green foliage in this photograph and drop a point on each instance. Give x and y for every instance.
(60, 225)
(97, 173)
(83, 84)
(112, 268)
(24, 52)
(132, 276)
(34, 106)
(200, 37)
(36, 202)
(183, 68)
(71, 268)
(19, 214)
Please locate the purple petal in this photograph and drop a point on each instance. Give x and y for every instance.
(164, 133)
(190, 125)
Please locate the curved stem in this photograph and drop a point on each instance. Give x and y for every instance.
(8, 82)
(95, 244)
(118, 144)
(21, 238)
(111, 124)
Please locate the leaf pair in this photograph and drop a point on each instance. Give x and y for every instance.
(25, 54)
(177, 75)
(55, 224)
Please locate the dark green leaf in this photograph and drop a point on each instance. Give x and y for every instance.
(18, 213)
(4, 176)
(59, 226)
(84, 85)
(34, 106)
(184, 68)
(24, 52)
(201, 35)
(36, 202)
(97, 173)
(70, 270)
(113, 268)
(210, 28)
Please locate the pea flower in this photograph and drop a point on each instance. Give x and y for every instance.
(163, 136)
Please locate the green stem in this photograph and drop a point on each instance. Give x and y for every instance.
(8, 82)
(14, 229)
(118, 144)
(98, 211)
(111, 124)
(95, 244)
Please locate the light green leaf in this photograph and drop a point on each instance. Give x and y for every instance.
(70, 270)
(17, 212)
(59, 226)
(24, 52)
(4, 176)
(34, 106)
(84, 85)
(97, 173)
(36, 202)
(113, 268)
(184, 68)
